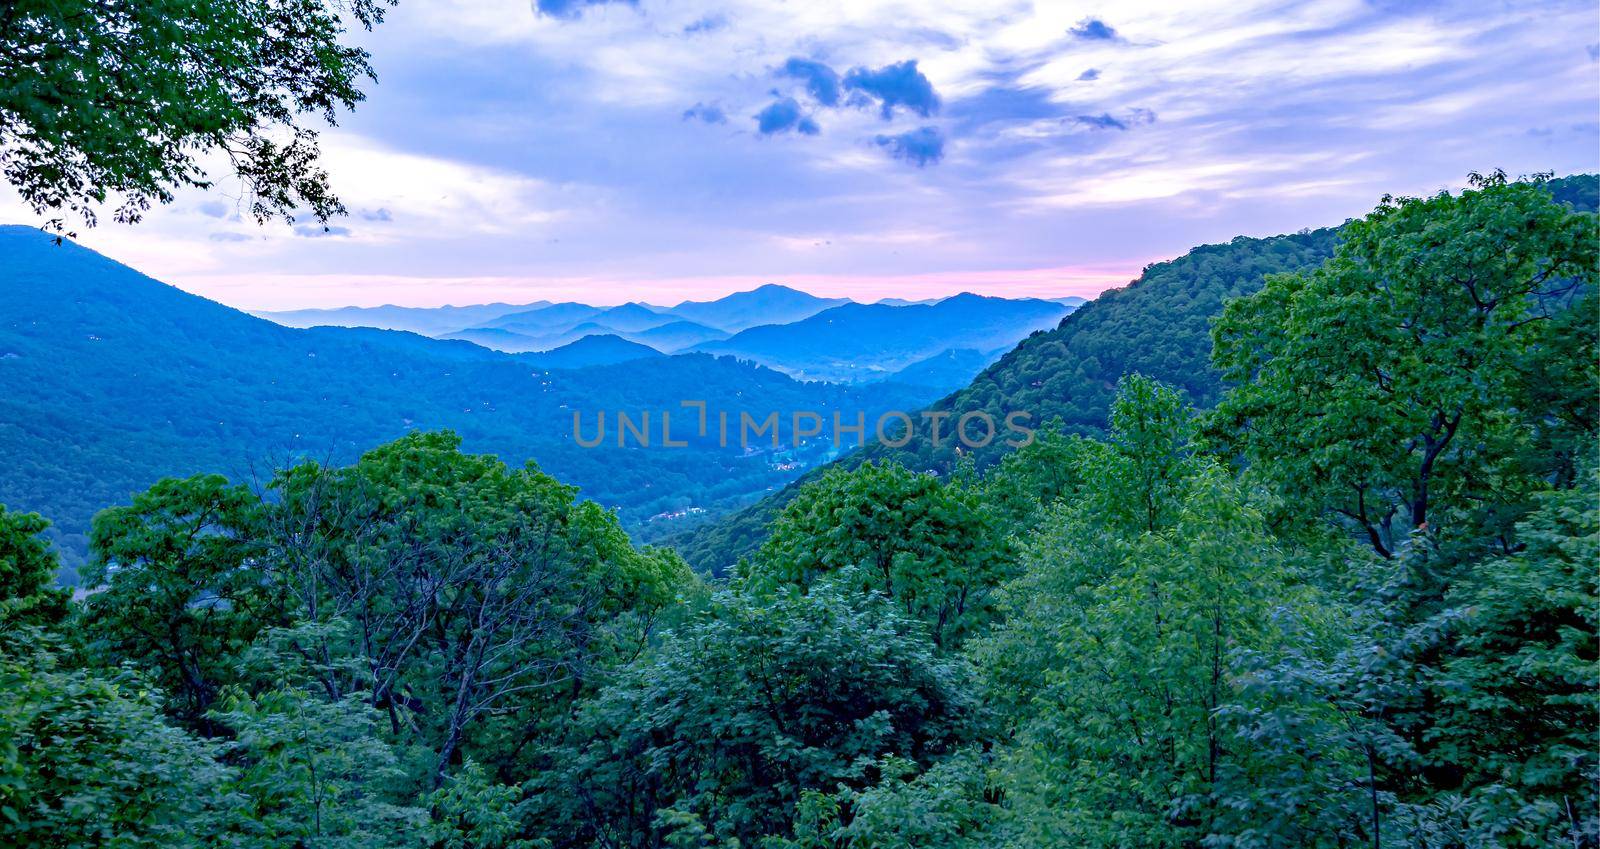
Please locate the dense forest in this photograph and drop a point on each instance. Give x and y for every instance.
(1158, 326)
(1351, 603)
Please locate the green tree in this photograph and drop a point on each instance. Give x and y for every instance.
(87, 760)
(1412, 376)
(308, 768)
(472, 812)
(315, 772)
(27, 569)
(482, 600)
(123, 102)
(182, 587)
(741, 713)
(931, 546)
(1114, 659)
(1472, 725)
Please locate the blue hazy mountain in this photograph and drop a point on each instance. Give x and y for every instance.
(768, 304)
(947, 370)
(603, 350)
(428, 321)
(676, 335)
(630, 318)
(546, 319)
(110, 380)
(861, 342)
(497, 338)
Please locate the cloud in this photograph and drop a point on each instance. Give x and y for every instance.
(1091, 74)
(1094, 29)
(229, 237)
(214, 209)
(822, 82)
(920, 147)
(1103, 121)
(709, 113)
(781, 116)
(382, 213)
(317, 231)
(571, 9)
(900, 84)
(709, 23)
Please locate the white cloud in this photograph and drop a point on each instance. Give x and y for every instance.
(574, 163)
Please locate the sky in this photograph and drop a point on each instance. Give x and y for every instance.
(662, 150)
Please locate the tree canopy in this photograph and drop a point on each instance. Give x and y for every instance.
(126, 103)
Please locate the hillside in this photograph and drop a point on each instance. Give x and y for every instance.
(948, 370)
(838, 344)
(602, 350)
(1159, 326)
(676, 335)
(110, 380)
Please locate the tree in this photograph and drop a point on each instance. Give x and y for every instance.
(87, 760)
(476, 594)
(315, 772)
(309, 770)
(1412, 376)
(182, 587)
(1114, 658)
(743, 712)
(931, 546)
(1468, 722)
(27, 569)
(123, 102)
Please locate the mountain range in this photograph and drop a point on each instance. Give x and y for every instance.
(802, 335)
(864, 342)
(428, 321)
(110, 380)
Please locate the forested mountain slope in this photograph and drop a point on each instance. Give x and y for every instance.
(1159, 326)
(110, 380)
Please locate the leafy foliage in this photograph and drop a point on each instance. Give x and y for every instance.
(87, 760)
(931, 547)
(27, 571)
(1398, 381)
(122, 102)
(747, 709)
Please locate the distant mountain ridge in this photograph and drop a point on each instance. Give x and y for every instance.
(863, 342)
(878, 343)
(110, 380)
(428, 321)
(767, 304)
